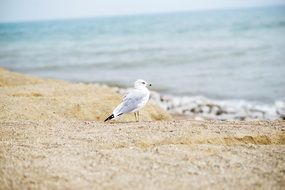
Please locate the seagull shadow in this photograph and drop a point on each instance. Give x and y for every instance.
(123, 122)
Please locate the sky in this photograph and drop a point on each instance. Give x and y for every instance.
(27, 10)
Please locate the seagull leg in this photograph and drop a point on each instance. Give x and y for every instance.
(138, 116)
(135, 115)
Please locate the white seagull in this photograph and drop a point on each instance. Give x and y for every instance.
(133, 101)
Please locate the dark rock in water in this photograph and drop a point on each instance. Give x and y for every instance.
(220, 112)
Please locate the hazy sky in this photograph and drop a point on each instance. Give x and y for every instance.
(20, 10)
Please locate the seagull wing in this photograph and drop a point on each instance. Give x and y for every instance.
(130, 102)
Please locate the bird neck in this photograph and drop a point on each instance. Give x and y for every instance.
(143, 89)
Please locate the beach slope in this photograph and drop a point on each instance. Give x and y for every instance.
(29, 98)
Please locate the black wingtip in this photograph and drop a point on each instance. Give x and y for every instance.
(109, 118)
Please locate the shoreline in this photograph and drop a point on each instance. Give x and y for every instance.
(182, 107)
(202, 108)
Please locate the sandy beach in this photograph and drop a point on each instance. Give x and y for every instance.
(52, 137)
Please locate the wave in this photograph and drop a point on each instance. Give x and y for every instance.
(204, 108)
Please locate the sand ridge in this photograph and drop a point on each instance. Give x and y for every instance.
(30, 98)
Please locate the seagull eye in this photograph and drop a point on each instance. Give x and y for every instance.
(143, 82)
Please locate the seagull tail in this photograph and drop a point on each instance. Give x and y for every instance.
(109, 118)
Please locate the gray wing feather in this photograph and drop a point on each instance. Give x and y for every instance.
(130, 103)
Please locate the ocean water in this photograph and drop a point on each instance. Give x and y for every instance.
(224, 54)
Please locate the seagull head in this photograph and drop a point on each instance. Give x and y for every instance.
(140, 84)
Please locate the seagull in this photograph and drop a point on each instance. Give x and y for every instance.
(133, 101)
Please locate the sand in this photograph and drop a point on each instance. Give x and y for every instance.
(29, 98)
(68, 149)
(145, 155)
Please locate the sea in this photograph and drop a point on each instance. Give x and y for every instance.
(234, 54)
